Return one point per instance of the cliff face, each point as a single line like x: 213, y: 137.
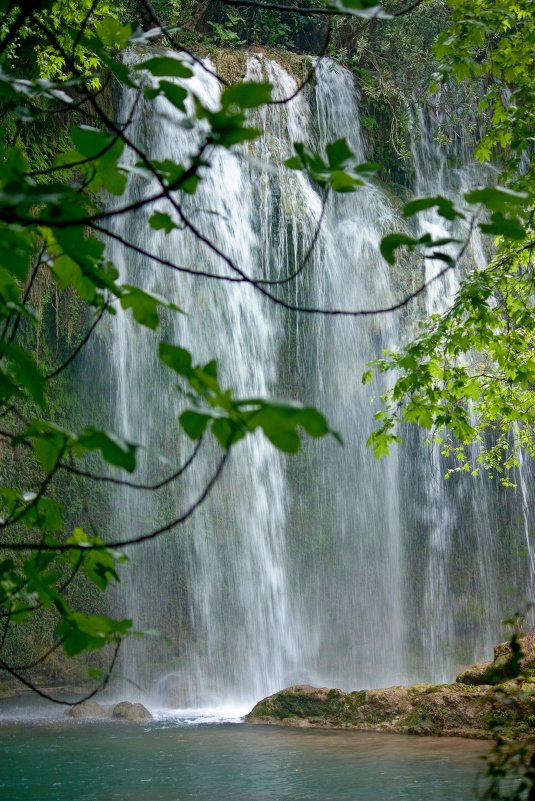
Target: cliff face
x: 482, y: 701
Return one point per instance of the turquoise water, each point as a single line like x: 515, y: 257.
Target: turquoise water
x: 170, y: 760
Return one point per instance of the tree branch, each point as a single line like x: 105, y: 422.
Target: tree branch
x: 32, y: 686
x: 310, y: 309
x: 25, y: 546
x: 79, y: 347
x: 125, y: 483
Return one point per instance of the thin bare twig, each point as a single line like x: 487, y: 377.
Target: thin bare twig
x: 43, y: 657
x: 311, y: 309
x: 79, y: 347
x: 374, y: 12
x: 308, y: 254
x: 132, y: 484
x: 311, y: 73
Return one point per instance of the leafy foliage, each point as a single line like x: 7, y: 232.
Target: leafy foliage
x: 495, y: 41
x: 340, y: 172
x: 58, y: 17
x: 470, y: 371
x: 468, y: 376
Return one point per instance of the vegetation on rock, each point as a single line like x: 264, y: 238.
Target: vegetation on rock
x: 471, y: 707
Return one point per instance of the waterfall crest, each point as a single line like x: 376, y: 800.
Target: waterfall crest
x: 329, y: 568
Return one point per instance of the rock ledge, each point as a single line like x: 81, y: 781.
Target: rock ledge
x: 471, y: 707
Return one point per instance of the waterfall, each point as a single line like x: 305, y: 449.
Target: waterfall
x: 330, y: 567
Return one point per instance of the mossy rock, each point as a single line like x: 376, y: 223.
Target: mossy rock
x: 502, y: 651
x: 503, y: 667
x: 298, y: 701
x: 455, y: 710
x: 486, y: 697
x: 388, y: 705
x: 229, y: 64
x: 480, y: 673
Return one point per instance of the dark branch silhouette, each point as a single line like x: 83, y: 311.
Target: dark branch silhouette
x: 132, y: 484
x: 35, y: 688
x: 79, y: 347
x: 311, y: 309
x: 25, y: 546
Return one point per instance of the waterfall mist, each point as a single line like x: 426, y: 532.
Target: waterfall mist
x: 329, y: 568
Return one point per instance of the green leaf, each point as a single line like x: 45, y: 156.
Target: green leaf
x: 380, y: 442
x: 45, y: 514
x: 509, y: 228
x: 294, y: 163
x: 194, y: 423
x: 89, y: 140
x: 341, y: 173
x: 165, y: 66
x: 99, y: 568
x: 177, y: 358
x: 339, y: 153
x: 498, y: 198
x: 81, y: 263
x: 49, y: 442
x: 92, y: 143
x: 282, y: 435
x: 112, y: 32
x: 15, y: 249
x: 367, y: 168
x: 445, y: 257
x: 95, y: 673
x: 24, y: 371
x: 279, y: 422
x: 88, y: 632
x: 249, y: 94
x: 159, y: 220
x: 444, y: 206
x: 234, y: 134
x: 175, y: 94
x: 312, y: 421
x: 98, y: 565
x: 113, y: 449
x: 391, y: 242
x: 144, y: 305
x: 227, y: 432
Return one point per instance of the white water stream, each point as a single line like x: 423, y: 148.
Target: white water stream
x: 329, y: 568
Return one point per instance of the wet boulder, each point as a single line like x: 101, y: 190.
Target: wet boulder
x: 125, y: 710
x: 87, y: 709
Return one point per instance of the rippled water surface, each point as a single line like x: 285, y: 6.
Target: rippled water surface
x: 181, y: 757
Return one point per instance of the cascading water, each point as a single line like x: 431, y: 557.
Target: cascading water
x: 331, y: 567
x: 235, y: 550
x: 463, y: 525
x: 433, y: 176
